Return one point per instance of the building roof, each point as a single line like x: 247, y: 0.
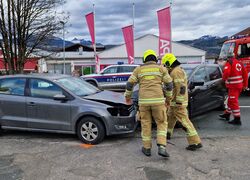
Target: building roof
x: 243, y: 32
x: 72, y: 54
x: 75, y: 47
x: 150, y: 42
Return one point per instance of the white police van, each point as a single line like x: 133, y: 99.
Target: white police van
x: 113, y: 77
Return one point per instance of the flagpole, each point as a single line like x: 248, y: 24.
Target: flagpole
x: 134, y: 29
x: 171, y: 2
x: 94, y: 44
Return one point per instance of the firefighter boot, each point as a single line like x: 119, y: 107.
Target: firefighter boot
x: 162, y: 151
x: 194, y: 147
x: 236, y: 121
x: 146, y: 152
x: 225, y: 116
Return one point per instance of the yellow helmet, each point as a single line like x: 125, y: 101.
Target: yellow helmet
x: 148, y: 53
x: 168, y: 59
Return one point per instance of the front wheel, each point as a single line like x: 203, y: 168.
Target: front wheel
x: 90, y: 130
x: 1, y: 130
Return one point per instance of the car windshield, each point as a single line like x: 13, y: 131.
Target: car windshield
x: 188, y: 71
x: 227, y: 50
x: 77, y: 86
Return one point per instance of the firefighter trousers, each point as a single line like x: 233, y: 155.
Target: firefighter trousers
x: 180, y: 113
x: 233, y: 101
x: 147, y: 114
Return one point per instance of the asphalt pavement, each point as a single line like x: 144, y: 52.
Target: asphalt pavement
x: 225, y: 155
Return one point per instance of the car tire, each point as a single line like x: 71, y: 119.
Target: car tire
x: 1, y: 131
x: 90, y: 130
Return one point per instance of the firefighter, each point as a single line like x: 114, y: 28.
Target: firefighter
x: 236, y: 80
x: 178, y: 106
x: 150, y: 77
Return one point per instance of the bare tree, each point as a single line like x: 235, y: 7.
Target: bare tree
x: 25, y: 25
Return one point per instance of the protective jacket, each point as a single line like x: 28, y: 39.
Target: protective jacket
x: 235, y: 74
x: 150, y: 77
x: 180, y: 91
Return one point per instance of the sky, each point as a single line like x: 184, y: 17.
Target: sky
x: 191, y: 19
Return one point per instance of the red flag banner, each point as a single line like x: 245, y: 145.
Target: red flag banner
x: 128, y: 35
x: 91, y: 25
x: 164, y: 21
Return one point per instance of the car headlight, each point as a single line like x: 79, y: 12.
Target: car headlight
x: 121, y: 110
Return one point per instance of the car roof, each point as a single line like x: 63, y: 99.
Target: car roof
x: 122, y: 65
x: 48, y: 76
x: 192, y: 66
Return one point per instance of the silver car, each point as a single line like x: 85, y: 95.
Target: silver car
x: 63, y: 104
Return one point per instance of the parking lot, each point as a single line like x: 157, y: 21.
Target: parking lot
x: 28, y: 155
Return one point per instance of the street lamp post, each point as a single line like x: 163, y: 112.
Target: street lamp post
x: 63, y: 23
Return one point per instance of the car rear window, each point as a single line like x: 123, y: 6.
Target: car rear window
x: 12, y: 86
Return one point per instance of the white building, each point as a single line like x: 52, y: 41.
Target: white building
x: 184, y: 53
x: 81, y: 60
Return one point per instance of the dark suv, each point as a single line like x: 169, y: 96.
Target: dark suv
x: 206, y: 89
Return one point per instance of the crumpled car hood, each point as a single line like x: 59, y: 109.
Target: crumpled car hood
x: 107, y: 97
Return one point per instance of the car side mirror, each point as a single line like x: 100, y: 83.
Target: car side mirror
x: 60, y: 97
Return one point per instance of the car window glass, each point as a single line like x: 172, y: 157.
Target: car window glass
x: 110, y: 70
x: 244, y: 50
x: 126, y: 69
x: 213, y: 73
x: 200, y: 75
x: 44, y: 89
x: 12, y: 86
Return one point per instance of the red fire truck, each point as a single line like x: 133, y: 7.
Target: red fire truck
x: 238, y: 47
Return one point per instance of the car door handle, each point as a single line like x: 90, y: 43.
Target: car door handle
x: 31, y: 104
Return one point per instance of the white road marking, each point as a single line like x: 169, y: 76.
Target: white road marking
x: 244, y: 106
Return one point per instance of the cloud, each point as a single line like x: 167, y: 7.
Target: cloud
x: 190, y: 19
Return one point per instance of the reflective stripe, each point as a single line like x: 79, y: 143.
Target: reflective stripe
x: 237, y: 110
x: 236, y: 114
x: 234, y: 82
x: 192, y: 133
x: 169, y: 93
x: 178, y: 80
x: 150, y: 74
x: 231, y: 97
x: 161, y: 133
x: 235, y: 77
x: 149, y: 77
x: 133, y: 78
x: 180, y: 98
x: 128, y: 93
x: 152, y: 100
x: 146, y: 138
x: 150, y: 70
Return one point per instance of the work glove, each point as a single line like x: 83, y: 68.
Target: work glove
x: 129, y: 101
